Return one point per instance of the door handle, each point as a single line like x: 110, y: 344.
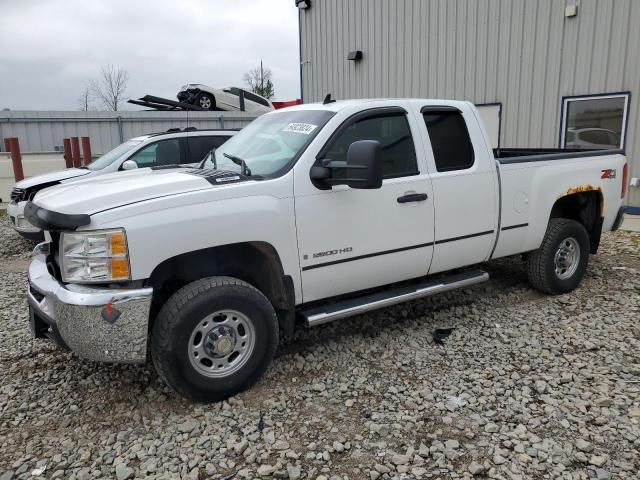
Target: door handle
x: 413, y: 197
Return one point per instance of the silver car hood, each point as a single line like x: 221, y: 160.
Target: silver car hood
x: 52, y: 177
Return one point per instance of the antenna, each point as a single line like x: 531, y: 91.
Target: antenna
x: 328, y: 99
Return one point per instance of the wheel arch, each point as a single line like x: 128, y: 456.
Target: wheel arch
x: 584, y: 204
x: 257, y: 263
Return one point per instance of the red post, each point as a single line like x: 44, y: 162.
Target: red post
x: 16, y: 159
x: 68, y: 159
x: 75, y: 151
x: 7, y: 144
x: 86, y: 151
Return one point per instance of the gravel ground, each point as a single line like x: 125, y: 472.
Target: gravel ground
x: 526, y: 386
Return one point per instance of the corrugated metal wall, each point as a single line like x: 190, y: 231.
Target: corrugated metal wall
x: 44, y: 131
x: 524, y: 54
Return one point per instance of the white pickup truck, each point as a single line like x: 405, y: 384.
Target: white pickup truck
x: 311, y: 214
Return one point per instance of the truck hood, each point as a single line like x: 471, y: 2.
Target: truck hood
x: 52, y: 177
x: 113, y: 190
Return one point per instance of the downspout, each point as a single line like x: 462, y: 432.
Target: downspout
x: 300, y: 53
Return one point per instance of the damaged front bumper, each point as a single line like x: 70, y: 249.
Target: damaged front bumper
x: 97, y: 323
x: 19, y: 221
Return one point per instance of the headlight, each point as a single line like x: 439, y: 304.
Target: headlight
x: 91, y: 257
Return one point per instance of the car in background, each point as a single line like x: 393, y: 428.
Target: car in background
x: 173, y: 147
x: 592, y: 138
x: 227, y: 98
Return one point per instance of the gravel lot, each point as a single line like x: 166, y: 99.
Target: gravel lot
x: 526, y: 386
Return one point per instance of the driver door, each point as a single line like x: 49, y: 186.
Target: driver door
x: 352, y: 239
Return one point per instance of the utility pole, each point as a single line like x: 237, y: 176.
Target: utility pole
x: 261, y: 79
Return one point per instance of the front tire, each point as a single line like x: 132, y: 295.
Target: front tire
x: 214, y: 338
x: 561, y: 261
x: 206, y: 101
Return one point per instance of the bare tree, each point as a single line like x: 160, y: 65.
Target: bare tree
x: 110, y: 88
x: 259, y: 81
x: 84, y: 100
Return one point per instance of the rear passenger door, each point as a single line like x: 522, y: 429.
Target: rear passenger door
x: 198, y: 146
x: 464, y: 187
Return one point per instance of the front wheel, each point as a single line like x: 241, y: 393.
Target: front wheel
x: 213, y: 338
x: 206, y: 101
x: 561, y: 261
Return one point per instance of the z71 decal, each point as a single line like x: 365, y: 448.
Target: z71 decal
x: 609, y: 173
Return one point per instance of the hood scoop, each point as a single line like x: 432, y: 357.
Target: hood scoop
x: 218, y: 177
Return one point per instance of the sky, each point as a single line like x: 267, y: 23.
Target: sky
x: 49, y: 49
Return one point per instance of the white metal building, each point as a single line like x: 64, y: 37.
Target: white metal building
x: 551, y: 73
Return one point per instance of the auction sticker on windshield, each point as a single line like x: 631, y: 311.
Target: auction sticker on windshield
x: 305, y: 128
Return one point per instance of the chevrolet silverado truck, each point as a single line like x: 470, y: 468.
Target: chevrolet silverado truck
x: 172, y: 147
x: 309, y: 214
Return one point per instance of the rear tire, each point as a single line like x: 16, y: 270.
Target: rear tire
x: 561, y: 261
x: 213, y: 338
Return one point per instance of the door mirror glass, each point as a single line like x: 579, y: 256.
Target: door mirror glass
x: 129, y: 165
x: 364, y: 164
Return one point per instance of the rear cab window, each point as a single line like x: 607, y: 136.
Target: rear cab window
x: 449, y: 137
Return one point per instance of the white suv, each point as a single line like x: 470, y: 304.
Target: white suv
x: 172, y: 147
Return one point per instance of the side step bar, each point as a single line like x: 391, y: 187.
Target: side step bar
x: 356, y: 306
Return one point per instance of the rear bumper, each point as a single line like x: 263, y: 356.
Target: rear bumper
x: 78, y: 316
x: 618, y: 220
x: 20, y: 223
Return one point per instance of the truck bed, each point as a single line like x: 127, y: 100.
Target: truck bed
x: 521, y: 155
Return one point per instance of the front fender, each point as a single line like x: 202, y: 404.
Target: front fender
x: 159, y: 230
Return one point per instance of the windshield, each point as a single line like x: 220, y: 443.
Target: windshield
x: 269, y: 143
x: 111, y: 156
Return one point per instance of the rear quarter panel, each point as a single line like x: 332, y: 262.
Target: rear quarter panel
x: 530, y: 189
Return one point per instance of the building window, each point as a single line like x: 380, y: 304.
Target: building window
x: 594, y: 121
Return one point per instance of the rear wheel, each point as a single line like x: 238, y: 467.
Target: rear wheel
x: 213, y: 338
x: 561, y: 261
x: 206, y: 101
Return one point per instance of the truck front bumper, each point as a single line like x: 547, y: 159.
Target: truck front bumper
x: 101, y: 324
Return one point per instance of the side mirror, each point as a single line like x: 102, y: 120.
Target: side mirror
x: 363, y: 167
x: 129, y: 165
x: 364, y: 164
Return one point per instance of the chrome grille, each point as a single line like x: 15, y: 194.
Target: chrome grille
x: 17, y: 195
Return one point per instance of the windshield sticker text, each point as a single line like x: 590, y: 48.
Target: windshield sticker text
x: 304, y: 128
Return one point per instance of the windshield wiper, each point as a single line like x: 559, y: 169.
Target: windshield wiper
x: 212, y: 154
x: 238, y: 161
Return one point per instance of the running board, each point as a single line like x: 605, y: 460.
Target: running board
x: 356, y: 306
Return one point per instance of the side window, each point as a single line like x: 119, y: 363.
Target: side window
x: 450, y: 140
x: 256, y: 98
x: 393, y: 133
x: 164, y: 152
x: 199, y: 146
